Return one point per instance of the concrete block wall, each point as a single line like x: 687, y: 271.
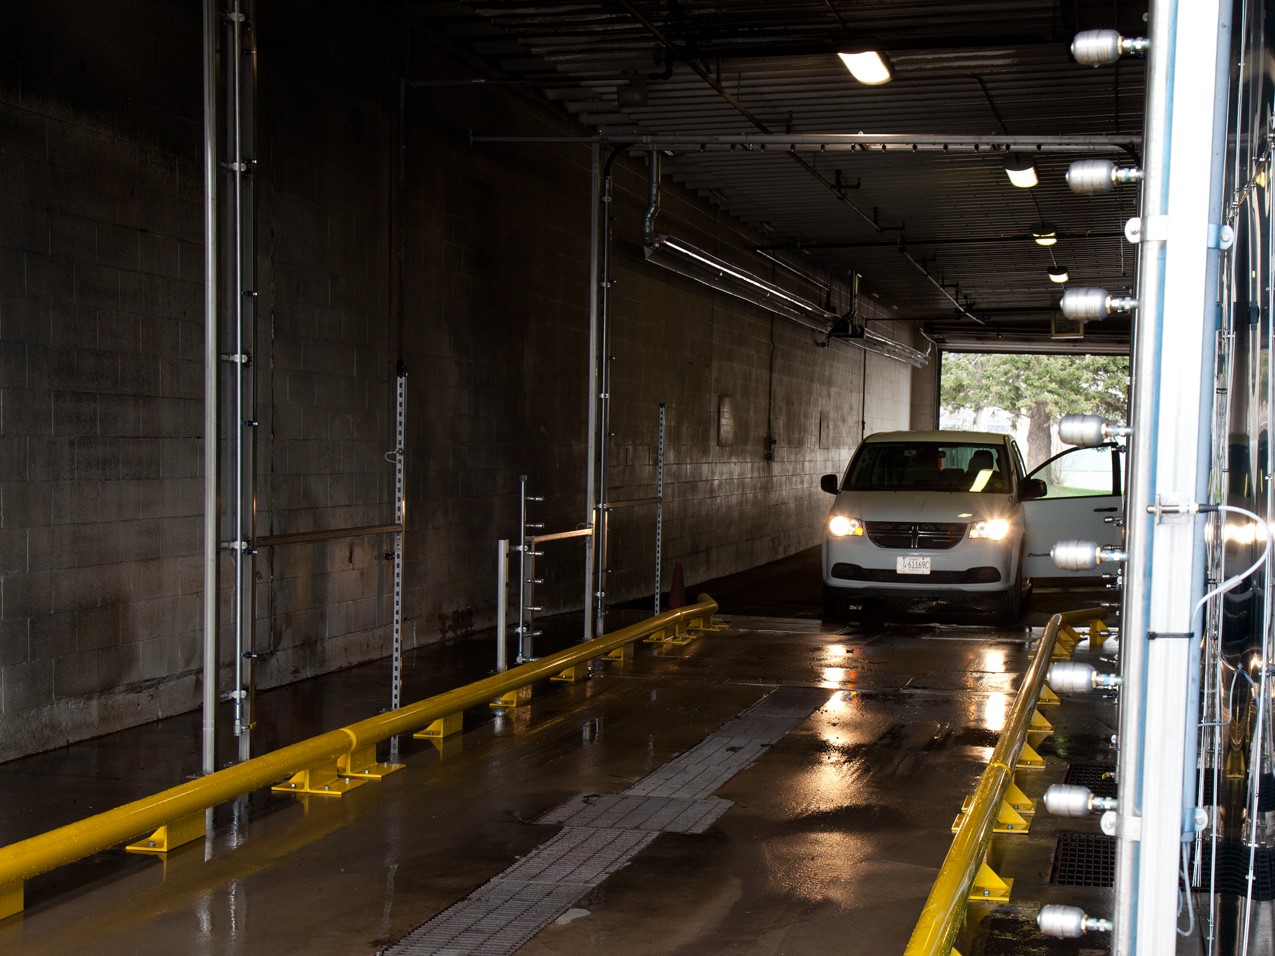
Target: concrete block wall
x: 101, y: 331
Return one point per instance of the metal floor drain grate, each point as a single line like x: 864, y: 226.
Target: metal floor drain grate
x: 1084, y: 859
x: 702, y: 769
x: 502, y: 914
x: 603, y: 832
x: 1099, y: 778
x: 583, y: 856
x: 497, y: 919
x: 630, y: 812
x: 799, y: 702
x: 764, y: 727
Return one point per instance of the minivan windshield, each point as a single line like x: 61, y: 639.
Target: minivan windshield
x: 929, y: 466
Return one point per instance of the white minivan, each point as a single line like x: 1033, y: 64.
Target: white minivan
x: 952, y: 514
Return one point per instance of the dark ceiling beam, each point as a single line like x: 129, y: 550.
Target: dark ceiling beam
x: 1063, y: 237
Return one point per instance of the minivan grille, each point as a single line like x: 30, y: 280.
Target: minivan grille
x: 909, y: 536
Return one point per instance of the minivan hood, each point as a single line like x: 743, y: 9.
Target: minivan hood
x: 923, y: 506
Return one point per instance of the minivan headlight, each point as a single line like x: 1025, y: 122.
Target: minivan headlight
x: 994, y: 529
x: 841, y: 526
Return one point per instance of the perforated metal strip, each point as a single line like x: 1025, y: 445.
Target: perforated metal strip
x: 602, y: 832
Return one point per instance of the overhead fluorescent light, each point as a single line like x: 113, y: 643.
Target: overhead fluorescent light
x: 868, y: 67
x: 1021, y: 172
x: 707, y: 269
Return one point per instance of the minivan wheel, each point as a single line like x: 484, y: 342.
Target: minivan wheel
x: 1011, y: 603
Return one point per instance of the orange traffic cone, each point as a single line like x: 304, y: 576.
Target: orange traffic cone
x: 677, y: 590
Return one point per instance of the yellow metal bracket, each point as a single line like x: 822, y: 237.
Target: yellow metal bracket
x: 622, y: 653
x: 664, y: 636
x: 1009, y: 818
x: 573, y: 673
x: 11, y: 899
x: 514, y: 698
x: 1048, y: 698
x: 362, y: 762
x: 988, y: 887
x: 170, y: 836
x: 1028, y: 759
x: 1038, y: 729
x: 1019, y: 800
x: 1098, y: 633
x: 1066, y: 642
x: 444, y: 726
x: 320, y: 781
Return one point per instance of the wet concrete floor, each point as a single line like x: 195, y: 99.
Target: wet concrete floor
x: 830, y: 842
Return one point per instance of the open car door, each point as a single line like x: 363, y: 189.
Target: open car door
x: 1084, y: 501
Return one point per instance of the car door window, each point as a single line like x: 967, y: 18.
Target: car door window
x: 1083, y: 473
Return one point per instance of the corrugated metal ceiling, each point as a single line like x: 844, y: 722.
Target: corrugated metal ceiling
x: 922, y: 226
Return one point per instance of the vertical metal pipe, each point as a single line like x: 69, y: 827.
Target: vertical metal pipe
x: 590, y: 495
x: 242, y: 94
x: 237, y: 538
x: 502, y: 604
x: 603, y: 353
x: 211, y: 373
x: 1139, y: 528
x: 1192, y: 773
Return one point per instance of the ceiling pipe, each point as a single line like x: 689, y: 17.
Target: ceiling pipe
x: 863, y: 142
x: 935, y: 241
x: 941, y: 287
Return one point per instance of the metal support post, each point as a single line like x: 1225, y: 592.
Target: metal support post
x: 604, y: 418
x: 590, y: 492
x: 502, y: 605
x: 211, y: 370
x: 522, y: 566
x: 400, y: 514
x: 1173, y: 365
x: 659, y: 509
x: 239, y: 77
x: 527, y: 579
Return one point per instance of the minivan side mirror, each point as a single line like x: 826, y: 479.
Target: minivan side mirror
x: 1032, y: 488
x: 829, y: 484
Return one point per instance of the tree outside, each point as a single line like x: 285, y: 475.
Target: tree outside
x: 1026, y: 395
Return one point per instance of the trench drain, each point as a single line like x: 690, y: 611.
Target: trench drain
x: 603, y: 832
x: 1084, y: 859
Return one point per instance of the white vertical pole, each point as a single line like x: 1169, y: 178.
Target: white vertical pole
x: 502, y: 604
x: 1172, y: 362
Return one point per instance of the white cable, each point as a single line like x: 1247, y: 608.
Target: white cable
x: 1232, y: 581
x: 1186, y: 892
x: 1227, y: 585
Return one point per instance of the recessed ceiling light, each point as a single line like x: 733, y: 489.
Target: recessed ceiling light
x: 1021, y: 172
x: 868, y: 67
x: 1044, y: 235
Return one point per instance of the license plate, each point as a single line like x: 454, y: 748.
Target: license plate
x: 912, y: 564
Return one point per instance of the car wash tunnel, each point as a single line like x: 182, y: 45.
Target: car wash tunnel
x: 636, y: 476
